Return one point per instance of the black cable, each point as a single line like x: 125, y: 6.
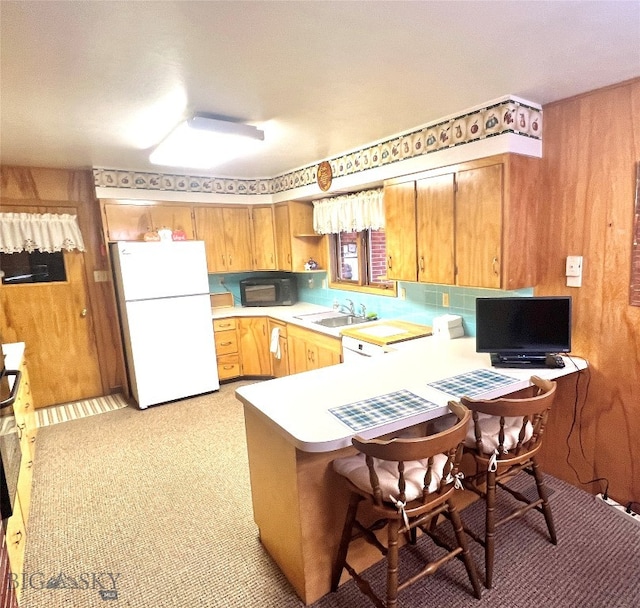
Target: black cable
x: 629, y: 509
x: 587, y: 372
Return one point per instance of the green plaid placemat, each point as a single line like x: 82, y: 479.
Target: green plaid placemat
x: 472, y: 383
x: 375, y: 411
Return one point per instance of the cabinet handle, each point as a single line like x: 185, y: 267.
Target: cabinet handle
x: 289, y: 258
x: 230, y: 261
x: 17, y: 537
x: 389, y: 263
x: 226, y: 343
x: 227, y: 367
x: 494, y: 265
x: 224, y: 262
x: 225, y: 324
x: 421, y: 263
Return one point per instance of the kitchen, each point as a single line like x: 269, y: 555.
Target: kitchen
x: 602, y: 237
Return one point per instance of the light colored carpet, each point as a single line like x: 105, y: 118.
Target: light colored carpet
x: 159, y: 500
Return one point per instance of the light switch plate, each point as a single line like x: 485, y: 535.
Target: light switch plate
x: 574, y: 271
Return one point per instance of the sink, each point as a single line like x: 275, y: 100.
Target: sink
x: 341, y: 321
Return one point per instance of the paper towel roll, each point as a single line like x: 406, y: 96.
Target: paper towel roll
x: 275, y: 343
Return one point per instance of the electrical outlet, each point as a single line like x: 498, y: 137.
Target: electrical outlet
x: 221, y: 280
x: 324, y: 283
x: 445, y: 299
x: 403, y: 293
x: 620, y: 509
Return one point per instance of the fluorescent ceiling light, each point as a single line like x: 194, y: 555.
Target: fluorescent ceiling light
x: 202, y: 142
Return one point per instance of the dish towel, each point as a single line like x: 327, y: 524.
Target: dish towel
x: 275, y: 342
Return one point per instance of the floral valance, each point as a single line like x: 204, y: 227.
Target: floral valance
x: 349, y: 212
x: 45, y: 232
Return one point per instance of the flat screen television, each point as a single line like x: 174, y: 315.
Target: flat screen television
x: 523, y: 331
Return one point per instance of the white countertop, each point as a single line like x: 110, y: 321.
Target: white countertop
x: 297, y: 406
x: 13, y: 354
x: 286, y: 314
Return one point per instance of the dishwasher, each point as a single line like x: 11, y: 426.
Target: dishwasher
x: 354, y: 349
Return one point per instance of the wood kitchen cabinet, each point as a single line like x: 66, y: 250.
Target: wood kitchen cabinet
x: 16, y: 528
x: 254, y: 346
x: 296, y: 241
x: 226, y: 232
x: 227, y: 348
x: 310, y: 350
x: 473, y: 224
x: 279, y: 366
x: 264, y: 246
x: 129, y: 222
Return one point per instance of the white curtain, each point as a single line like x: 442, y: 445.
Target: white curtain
x: 349, y: 212
x: 46, y: 232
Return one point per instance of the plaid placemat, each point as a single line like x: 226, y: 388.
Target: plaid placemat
x: 472, y: 383
x: 375, y: 411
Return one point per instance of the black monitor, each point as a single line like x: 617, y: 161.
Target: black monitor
x: 522, y: 331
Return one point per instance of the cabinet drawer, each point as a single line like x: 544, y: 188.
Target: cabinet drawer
x: 228, y: 366
x: 226, y: 342
x: 223, y: 324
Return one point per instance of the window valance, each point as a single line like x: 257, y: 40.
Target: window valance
x: 349, y: 212
x: 45, y: 232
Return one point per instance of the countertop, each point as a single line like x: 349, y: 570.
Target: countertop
x: 297, y: 406
x: 292, y: 314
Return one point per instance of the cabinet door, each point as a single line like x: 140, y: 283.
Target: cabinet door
x: 254, y: 346
x: 479, y: 227
x: 210, y: 229
x: 435, y: 229
x: 264, y: 248
x: 127, y: 222
x: 176, y: 217
x: 279, y: 367
x: 283, y: 236
x: 400, y: 230
x: 237, y: 238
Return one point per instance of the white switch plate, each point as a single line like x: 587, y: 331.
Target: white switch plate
x: 574, y: 271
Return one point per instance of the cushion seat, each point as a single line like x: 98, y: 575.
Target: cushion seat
x: 355, y: 469
x: 489, y: 427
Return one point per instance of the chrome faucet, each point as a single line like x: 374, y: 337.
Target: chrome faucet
x: 349, y: 308
x: 363, y: 311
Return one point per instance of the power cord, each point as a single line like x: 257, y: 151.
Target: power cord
x: 586, y: 372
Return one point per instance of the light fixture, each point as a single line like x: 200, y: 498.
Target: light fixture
x: 202, y: 142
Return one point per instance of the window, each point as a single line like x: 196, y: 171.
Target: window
x: 34, y: 267
x: 358, y: 261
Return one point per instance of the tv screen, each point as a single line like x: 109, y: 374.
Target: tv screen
x: 524, y: 326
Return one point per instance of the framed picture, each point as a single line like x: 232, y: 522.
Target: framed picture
x: 351, y: 247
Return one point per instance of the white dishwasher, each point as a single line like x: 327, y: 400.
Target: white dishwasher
x: 354, y: 349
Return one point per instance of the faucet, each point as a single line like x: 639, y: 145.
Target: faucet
x: 363, y: 311
x: 350, y: 308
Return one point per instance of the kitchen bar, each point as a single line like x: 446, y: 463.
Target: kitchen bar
x: 292, y: 438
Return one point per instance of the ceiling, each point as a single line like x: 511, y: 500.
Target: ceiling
x: 97, y: 84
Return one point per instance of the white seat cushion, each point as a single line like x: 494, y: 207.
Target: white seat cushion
x: 490, y: 428
x: 355, y: 469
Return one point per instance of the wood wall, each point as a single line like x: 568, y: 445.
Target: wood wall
x: 30, y: 187
x: 591, y: 145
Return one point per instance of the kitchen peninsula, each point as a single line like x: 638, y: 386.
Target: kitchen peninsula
x: 292, y: 438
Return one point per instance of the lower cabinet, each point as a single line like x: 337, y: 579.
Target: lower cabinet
x: 16, y: 527
x: 311, y: 350
x: 227, y: 349
x: 254, y: 346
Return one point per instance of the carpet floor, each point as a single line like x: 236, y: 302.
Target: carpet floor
x: 152, y: 509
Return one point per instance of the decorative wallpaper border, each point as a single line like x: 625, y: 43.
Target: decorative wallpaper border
x: 506, y: 116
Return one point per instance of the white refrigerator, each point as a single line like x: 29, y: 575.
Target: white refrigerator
x: 162, y: 290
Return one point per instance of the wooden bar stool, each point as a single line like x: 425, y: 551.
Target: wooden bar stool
x: 406, y: 484
x: 504, y: 439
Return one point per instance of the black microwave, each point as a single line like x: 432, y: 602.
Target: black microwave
x: 266, y: 291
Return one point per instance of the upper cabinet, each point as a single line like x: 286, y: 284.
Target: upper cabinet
x: 471, y: 225
x: 226, y: 232
x: 296, y: 241
x: 264, y: 246
x: 129, y: 222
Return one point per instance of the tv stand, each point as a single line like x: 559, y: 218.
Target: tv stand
x: 526, y: 360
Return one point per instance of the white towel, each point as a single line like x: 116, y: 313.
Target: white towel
x: 275, y: 343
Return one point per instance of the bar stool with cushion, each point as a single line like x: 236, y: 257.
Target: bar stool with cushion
x: 405, y: 483
x: 504, y: 439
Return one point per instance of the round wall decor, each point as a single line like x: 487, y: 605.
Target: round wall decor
x: 324, y: 176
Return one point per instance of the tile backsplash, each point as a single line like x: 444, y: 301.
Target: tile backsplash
x: 420, y: 304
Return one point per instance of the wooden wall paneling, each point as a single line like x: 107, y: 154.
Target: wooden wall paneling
x: 56, y: 190
x: 591, y: 145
